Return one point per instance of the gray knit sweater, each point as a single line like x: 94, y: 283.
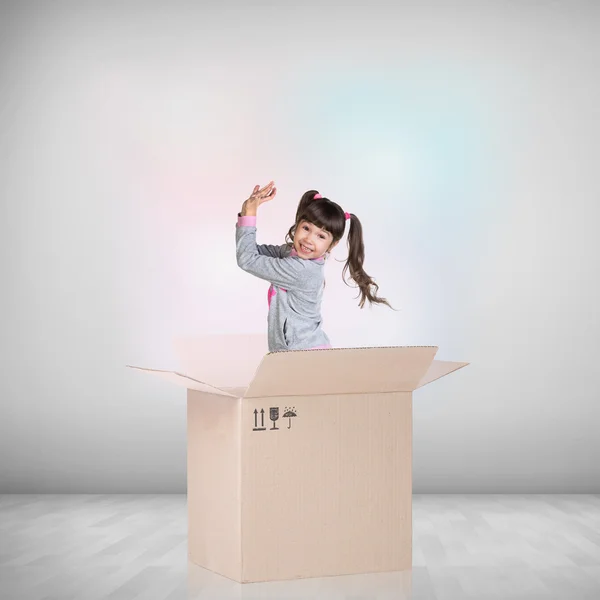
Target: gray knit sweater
x: 294, y: 320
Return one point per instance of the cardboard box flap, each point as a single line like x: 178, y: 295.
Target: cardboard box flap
x: 440, y: 368
x: 184, y: 381
x: 341, y: 371
x: 227, y: 361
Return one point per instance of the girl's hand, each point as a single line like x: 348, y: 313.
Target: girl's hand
x: 257, y: 197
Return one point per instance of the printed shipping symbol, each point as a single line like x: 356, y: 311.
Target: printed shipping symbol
x: 289, y: 413
x: 274, y: 416
x: 262, y: 420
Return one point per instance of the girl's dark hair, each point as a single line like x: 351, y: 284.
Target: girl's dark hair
x: 328, y: 215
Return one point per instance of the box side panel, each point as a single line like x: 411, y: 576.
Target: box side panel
x: 328, y: 491
x: 213, y: 482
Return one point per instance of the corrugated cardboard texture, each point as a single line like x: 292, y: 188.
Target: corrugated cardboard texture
x: 213, y: 475
x: 221, y: 360
x: 341, y: 371
x: 330, y: 491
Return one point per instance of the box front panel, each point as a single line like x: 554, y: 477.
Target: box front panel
x: 326, y: 485
x: 213, y: 483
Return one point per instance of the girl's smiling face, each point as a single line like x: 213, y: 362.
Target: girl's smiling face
x: 311, y: 241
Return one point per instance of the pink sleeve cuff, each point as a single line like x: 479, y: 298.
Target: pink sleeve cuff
x: 246, y: 222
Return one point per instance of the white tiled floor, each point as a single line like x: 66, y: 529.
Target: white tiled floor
x: 123, y: 547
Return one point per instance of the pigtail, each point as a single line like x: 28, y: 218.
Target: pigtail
x: 354, y: 263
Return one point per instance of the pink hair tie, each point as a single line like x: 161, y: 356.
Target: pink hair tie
x: 347, y: 215
x: 317, y: 196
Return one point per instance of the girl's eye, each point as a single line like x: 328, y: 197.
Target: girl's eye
x: 305, y: 228
x: 322, y: 236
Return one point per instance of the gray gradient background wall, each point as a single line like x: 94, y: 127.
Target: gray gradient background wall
x: 464, y: 134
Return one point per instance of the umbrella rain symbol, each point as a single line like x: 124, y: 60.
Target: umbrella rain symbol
x: 289, y: 413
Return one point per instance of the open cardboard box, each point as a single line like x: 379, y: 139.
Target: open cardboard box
x: 299, y: 464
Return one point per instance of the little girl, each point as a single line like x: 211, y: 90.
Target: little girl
x: 296, y: 269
